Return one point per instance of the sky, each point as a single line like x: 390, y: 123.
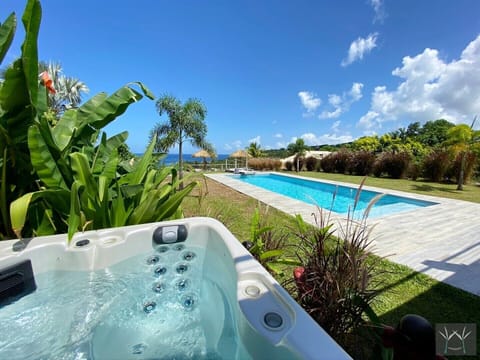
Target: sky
x: 271, y: 71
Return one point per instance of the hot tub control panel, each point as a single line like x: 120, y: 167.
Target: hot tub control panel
x: 169, y: 234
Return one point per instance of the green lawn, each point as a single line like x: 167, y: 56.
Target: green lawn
x: 404, y: 291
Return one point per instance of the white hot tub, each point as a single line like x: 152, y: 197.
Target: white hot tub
x: 184, y: 289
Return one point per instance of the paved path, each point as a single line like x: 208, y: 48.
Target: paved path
x: 442, y: 240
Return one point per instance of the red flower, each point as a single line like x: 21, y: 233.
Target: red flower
x: 47, y: 82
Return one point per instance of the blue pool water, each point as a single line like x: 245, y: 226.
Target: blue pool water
x: 339, y: 199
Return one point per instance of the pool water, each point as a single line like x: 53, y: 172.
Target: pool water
x: 339, y: 199
x: 161, y: 305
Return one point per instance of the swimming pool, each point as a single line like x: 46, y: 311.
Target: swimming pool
x: 184, y: 289
x: 339, y: 199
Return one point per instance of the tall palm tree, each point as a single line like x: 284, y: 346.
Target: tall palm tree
x: 255, y: 150
x: 69, y: 90
x: 186, y: 123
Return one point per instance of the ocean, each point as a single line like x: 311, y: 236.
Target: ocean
x: 172, y: 159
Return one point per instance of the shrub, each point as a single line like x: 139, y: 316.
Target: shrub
x: 342, y: 159
x: 435, y: 165
x: 336, y: 162
x: 289, y: 165
x: 327, y: 164
x: 414, y: 171
x: 361, y: 163
x: 395, y: 165
x: 265, y: 164
x: 267, y: 244
x: 311, y: 163
x: 453, y: 171
x: 335, y: 283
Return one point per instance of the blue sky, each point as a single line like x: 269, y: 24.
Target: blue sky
x: 271, y: 71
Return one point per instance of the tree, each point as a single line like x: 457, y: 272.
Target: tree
x: 255, y: 150
x: 186, y: 123
x: 298, y: 148
x: 367, y: 143
x: 462, y: 137
x: 434, y: 133
x: 68, y: 90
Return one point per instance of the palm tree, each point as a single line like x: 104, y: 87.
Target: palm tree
x: 255, y: 150
x: 462, y: 137
x: 298, y: 148
x: 186, y: 123
x: 69, y: 90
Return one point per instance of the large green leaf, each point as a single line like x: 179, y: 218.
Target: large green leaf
x: 95, y: 114
x: 14, y: 95
x: 31, y: 19
x: 19, y: 207
x: 43, y: 161
x: 83, y: 175
x: 74, y: 219
x: 7, y: 30
x: 169, y: 207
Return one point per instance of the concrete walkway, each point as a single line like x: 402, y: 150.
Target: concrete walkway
x: 442, y: 240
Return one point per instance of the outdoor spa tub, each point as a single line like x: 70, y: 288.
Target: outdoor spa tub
x: 184, y: 289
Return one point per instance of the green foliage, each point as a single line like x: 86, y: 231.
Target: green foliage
x: 336, y: 283
x: 367, y: 143
x: 255, y: 150
x: 66, y: 175
x: 268, y: 245
x: 186, y: 123
x: 298, y: 147
x: 434, y: 133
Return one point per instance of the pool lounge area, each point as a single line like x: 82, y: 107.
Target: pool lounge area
x: 442, y: 241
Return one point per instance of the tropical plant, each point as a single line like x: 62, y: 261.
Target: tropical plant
x: 298, y: 148
x: 186, y: 123
x: 267, y: 244
x: 68, y: 175
x: 255, y: 150
x: 336, y: 283
x: 460, y: 138
x: 68, y: 90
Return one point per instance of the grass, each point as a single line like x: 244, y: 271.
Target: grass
x: 404, y: 291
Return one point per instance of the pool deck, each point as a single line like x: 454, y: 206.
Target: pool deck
x: 442, y: 240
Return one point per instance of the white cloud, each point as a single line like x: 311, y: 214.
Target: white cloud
x: 341, y: 104
x: 379, y: 9
x: 237, y: 144
x: 336, y: 125
x: 309, y: 101
x: 431, y: 89
x: 359, y: 48
x: 330, y: 139
x: 278, y: 136
x: 256, y: 139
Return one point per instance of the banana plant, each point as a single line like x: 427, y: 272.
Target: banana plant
x: 68, y: 176
x: 18, y: 109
